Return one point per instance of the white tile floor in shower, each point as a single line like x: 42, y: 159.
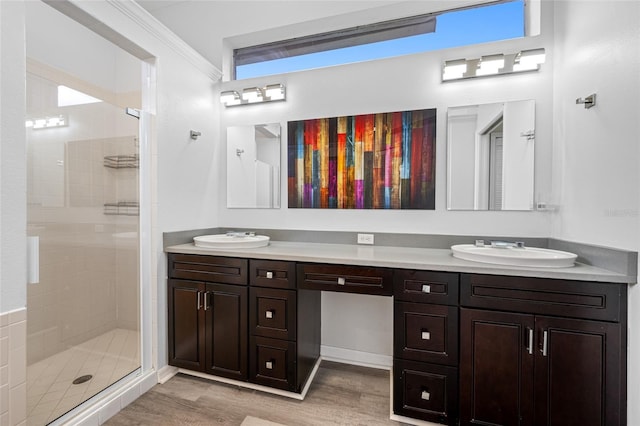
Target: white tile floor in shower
x: 50, y: 389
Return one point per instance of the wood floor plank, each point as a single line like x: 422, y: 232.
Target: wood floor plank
x: 341, y: 394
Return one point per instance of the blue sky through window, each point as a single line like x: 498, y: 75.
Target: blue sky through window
x: 459, y: 28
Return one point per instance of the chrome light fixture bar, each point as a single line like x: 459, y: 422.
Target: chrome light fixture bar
x: 499, y: 64
x: 48, y: 122
x: 253, y: 95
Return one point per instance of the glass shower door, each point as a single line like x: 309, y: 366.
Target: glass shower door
x: 83, y: 307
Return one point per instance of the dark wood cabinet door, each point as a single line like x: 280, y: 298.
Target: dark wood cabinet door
x: 186, y: 324
x: 425, y: 391
x: 226, y: 330
x: 496, y: 368
x: 272, y: 313
x: 426, y: 333
x: 579, y: 369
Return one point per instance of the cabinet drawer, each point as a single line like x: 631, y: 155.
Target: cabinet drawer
x: 589, y: 300
x: 349, y: 279
x: 272, y: 313
x: 216, y: 269
x: 426, y: 287
x: 273, y: 363
x: 271, y: 273
x: 426, y: 333
x: 425, y: 391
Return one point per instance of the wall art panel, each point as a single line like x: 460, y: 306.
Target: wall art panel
x: 372, y: 161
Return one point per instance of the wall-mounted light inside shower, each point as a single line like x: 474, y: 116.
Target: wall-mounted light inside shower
x: 498, y: 64
x: 253, y: 95
x: 48, y: 122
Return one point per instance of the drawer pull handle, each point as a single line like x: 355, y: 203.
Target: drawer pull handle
x: 206, y: 305
x: 269, y: 314
x: 199, y: 303
x: 269, y: 275
x: 341, y: 281
x: 545, y: 343
x: 426, y: 288
x: 269, y: 365
x: 425, y: 395
x: 426, y: 335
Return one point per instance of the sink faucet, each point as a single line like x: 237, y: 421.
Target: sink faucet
x: 506, y: 244
x: 240, y: 234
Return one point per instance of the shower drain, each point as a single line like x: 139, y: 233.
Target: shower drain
x: 82, y: 379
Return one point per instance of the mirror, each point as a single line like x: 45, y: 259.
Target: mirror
x: 253, y: 166
x: 490, y: 152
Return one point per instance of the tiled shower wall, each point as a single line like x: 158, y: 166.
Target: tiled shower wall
x: 13, y: 369
x: 88, y: 260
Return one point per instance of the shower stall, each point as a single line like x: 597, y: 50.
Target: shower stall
x: 83, y: 156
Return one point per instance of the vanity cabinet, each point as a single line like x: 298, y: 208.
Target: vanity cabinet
x: 284, y: 326
x: 208, y: 319
x: 425, y: 365
x: 542, y: 352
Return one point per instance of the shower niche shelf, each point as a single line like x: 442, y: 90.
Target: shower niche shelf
x: 122, y: 208
x: 122, y: 161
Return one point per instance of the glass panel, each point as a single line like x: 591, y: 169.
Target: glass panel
x: 481, y: 24
x: 83, y: 315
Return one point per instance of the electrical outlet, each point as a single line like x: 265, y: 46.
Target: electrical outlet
x: 365, y: 238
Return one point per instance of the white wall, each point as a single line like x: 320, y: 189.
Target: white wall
x: 13, y: 203
x: 596, y: 150
x: 398, y: 84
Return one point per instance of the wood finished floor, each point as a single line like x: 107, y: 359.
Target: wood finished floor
x: 339, y: 395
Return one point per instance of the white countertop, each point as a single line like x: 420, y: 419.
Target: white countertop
x: 400, y: 257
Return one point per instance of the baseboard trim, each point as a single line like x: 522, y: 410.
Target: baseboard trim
x: 166, y: 373
x: 353, y: 357
x: 266, y: 389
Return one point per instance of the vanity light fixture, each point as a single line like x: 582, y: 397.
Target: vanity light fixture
x: 498, y: 64
x: 454, y: 69
x: 230, y: 98
x: 48, y: 122
x: 254, y: 95
x: 529, y: 60
x: 275, y: 92
x: 491, y: 64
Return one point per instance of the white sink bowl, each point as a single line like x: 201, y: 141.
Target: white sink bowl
x: 513, y: 256
x: 224, y: 241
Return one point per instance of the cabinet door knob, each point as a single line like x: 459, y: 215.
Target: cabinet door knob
x: 269, y: 275
x: 341, y: 281
x: 269, y: 314
x: 426, y: 335
x: 426, y: 288
x: 269, y: 365
x: 425, y: 395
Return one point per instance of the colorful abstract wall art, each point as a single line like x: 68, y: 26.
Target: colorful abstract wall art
x: 373, y: 161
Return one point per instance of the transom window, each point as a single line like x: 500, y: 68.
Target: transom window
x: 480, y: 24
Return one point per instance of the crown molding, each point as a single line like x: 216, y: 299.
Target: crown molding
x: 143, y: 19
